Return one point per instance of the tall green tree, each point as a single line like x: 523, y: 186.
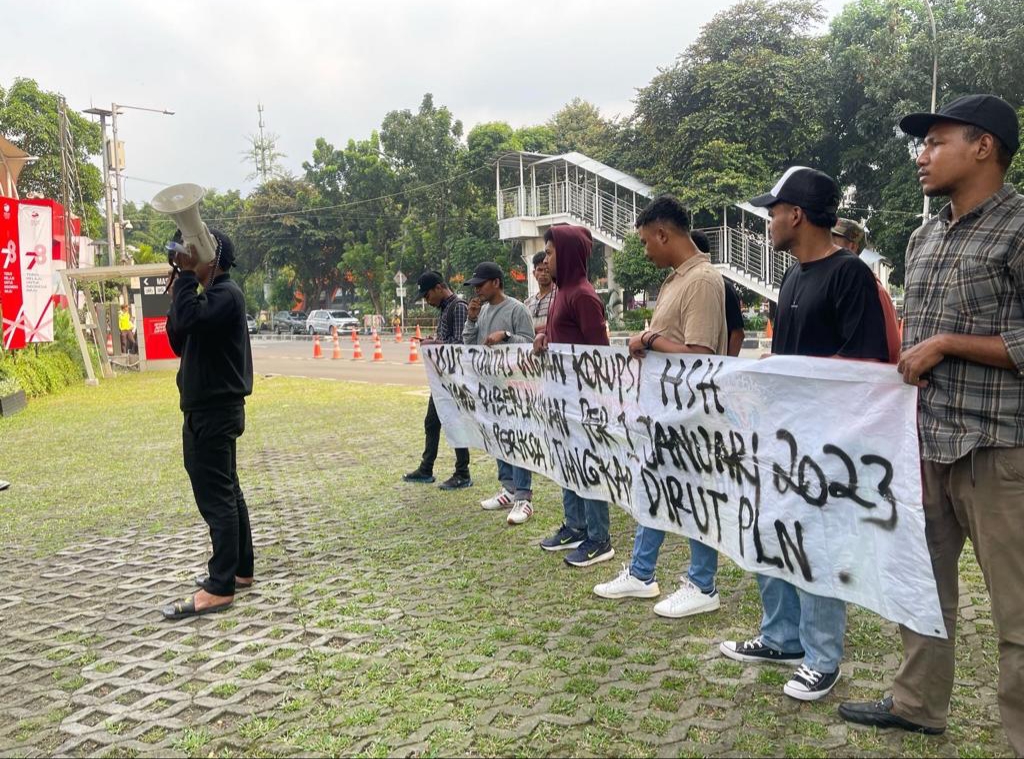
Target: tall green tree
x: 740, y: 104
x: 28, y: 118
x: 879, y: 55
x: 285, y: 226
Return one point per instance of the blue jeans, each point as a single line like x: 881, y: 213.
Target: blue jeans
x: 703, y: 560
x: 795, y: 620
x: 516, y: 480
x: 586, y: 515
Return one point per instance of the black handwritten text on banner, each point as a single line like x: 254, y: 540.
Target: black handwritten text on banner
x: 804, y: 469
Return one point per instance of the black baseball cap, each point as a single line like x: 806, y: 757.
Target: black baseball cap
x: 991, y: 113
x: 485, y: 272
x: 428, y: 281
x: 810, y: 189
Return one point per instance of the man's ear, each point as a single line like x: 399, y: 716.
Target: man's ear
x: 984, y: 147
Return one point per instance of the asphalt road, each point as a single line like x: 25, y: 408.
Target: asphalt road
x: 293, y: 357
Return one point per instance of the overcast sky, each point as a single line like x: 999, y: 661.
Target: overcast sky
x: 332, y: 69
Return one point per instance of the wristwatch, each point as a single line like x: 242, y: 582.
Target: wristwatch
x: 508, y: 336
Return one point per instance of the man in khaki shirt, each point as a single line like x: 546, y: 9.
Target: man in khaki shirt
x: 689, y: 317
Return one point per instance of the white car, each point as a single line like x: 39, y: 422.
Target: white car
x: 320, y: 322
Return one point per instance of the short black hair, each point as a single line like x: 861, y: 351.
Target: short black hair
x: 665, y: 208
x: 538, y: 258
x: 700, y: 240
x: 974, y: 133
x: 824, y: 219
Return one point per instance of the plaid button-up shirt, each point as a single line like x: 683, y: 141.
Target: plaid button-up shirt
x: 454, y: 311
x: 967, y: 278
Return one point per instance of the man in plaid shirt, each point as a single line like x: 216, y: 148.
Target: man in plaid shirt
x: 963, y: 346
x: 450, y: 324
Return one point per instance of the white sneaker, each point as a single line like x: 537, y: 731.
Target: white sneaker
x: 521, y: 511
x: 688, y: 600
x: 627, y: 586
x: 502, y: 500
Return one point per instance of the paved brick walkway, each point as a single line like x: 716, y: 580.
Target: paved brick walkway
x: 391, y: 620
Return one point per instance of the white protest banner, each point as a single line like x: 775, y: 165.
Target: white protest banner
x: 799, y: 468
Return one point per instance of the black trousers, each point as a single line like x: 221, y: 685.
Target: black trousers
x: 208, y: 444
x: 432, y: 430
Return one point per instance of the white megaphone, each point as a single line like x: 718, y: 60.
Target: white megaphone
x: 181, y: 203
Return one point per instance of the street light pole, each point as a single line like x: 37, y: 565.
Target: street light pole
x: 935, y: 86
x: 102, y: 113
x: 118, y: 179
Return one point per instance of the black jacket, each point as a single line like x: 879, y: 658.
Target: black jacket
x: 210, y: 334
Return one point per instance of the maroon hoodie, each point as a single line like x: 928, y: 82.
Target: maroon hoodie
x: 577, y: 313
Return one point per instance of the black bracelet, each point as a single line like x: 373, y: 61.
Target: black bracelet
x: 650, y: 341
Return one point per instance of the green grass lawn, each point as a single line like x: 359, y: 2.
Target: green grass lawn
x: 397, y: 619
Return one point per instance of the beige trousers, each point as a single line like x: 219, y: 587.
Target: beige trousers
x: 980, y: 497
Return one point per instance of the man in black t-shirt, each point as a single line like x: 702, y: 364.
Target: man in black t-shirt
x: 733, y: 309
x: 828, y: 306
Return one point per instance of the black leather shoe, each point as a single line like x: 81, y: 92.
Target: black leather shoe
x: 456, y: 482
x: 418, y: 476
x: 879, y: 714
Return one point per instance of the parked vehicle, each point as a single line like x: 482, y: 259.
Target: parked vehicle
x: 321, y: 321
x: 253, y: 325
x: 291, y: 322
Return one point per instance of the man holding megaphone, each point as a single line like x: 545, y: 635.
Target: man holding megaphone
x: 208, y: 331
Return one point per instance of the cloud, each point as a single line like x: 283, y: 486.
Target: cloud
x: 334, y: 69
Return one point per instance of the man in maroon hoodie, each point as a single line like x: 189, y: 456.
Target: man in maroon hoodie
x: 577, y: 317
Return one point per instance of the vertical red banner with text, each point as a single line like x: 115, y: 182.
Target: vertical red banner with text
x: 11, y: 301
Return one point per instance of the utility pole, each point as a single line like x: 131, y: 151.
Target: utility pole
x: 112, y: 163
x: 103, y: 113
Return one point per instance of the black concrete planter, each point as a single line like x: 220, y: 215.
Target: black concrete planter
x: 12, y: 404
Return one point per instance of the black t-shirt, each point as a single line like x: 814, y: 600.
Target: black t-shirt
x: 830, y: 307
x: 733, y: 314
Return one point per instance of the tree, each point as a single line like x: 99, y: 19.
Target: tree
x: 633, y: 271
x: 283, y: 226
x: 28, y: 118
x: 880, y: 56
x: 579, y: 126
x: 426, y: 148
x: 743, y: 100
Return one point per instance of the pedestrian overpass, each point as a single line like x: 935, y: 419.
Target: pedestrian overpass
x: 535, y: 191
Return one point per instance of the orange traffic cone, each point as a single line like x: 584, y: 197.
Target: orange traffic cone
x: 378, y: 352
x: 318, y: 352
x: 414, y: 354
x: 337, y: 348
x: 398, y: 333
x: 357, y: 352
x: 419, y: 337
x: 110, y: 345
x: 768, y: 331
x: 355, y: 335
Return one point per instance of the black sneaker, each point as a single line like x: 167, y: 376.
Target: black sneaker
x: 590, y: 552
x: 879, y: 714
x: 418, y: 475
x: 756, y: 651
x: 563, y: 540
x: 809, y: 684
x: 455, y: 482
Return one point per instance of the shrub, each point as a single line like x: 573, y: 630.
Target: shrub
x: 634, y: 320
x: 755, y: 323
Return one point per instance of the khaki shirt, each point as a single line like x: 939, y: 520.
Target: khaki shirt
x: 691, y: 306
